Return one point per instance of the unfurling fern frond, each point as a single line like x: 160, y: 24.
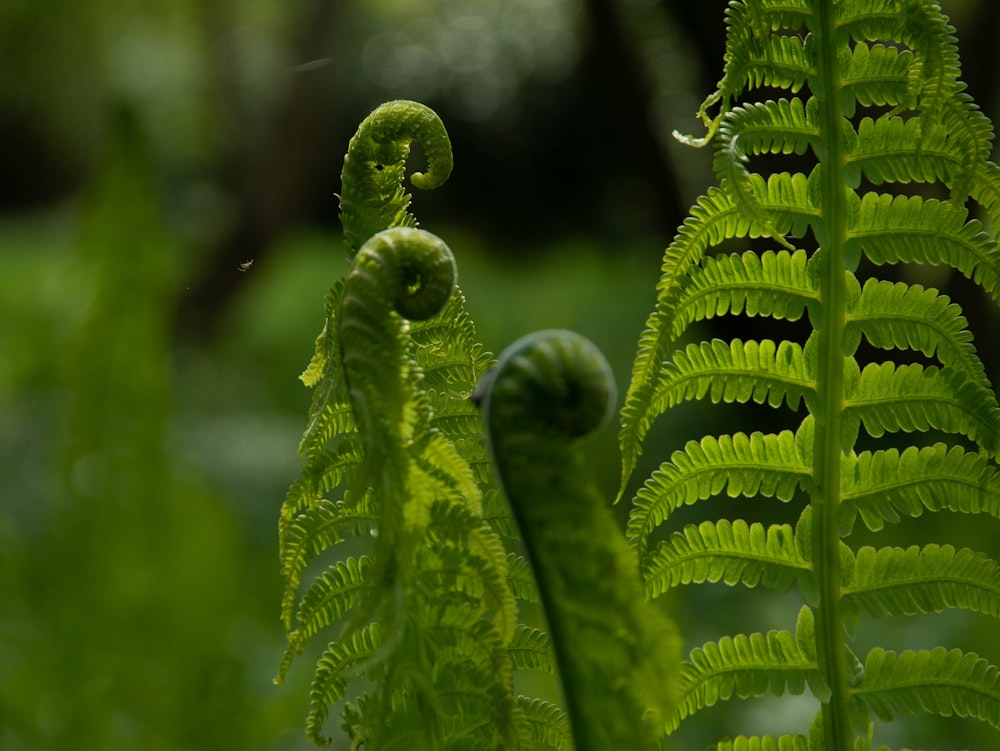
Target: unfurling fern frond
x: 616, y: 655
x: 373, y: 197
x: 395, y: 463
x: 870, y: 99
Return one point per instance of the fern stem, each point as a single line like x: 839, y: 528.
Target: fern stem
x: 830, y: 382
x: 616, y: 656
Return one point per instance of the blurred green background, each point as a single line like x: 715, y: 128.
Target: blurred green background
x: 149, y: 404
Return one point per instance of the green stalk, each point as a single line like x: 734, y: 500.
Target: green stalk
x: 830, y: 386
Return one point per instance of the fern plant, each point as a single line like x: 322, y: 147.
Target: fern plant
x: 872, y: 104
x: 427, y: 616
x: 421, y: 598
x: 616, y: 655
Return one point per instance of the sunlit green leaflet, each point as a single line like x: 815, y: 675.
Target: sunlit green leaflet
x: 617, y: 656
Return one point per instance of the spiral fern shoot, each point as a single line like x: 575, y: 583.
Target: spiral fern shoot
x: 421, y: 618
x: 374, y: 168
x: 887, y: 163
x: 617, y: 656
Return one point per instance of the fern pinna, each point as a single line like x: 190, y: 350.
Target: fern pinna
x: 421, y: 602
x: 872, y: 102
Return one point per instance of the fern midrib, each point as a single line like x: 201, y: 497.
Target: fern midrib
x: 830, y: 386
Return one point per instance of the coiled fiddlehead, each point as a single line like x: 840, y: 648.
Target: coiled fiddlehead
x: 375, y: 165
x: 400, y: 273
x: 617, y: 657
x: 427, y: 639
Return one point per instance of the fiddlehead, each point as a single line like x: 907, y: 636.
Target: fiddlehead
x: 373, y: 196
x: 400, y: 273
x: 617, y: 657
x: 395, y: 463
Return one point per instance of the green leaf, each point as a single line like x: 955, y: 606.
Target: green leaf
x: 735, y: 371
x: 530, y: 650
x: 764, y: 464
x: 373, y: 197
x: 334, y: 671
x: 890, y: 398
x: 891, y: 149
x: 318, y: 528
x: 877, y: 75
x: 895, y: 229
x: 884, y: 485
x: 713, y: 219
x: 777, y: 61
x: 328, y: 598
x: 767, y: 284
x: 520, y: 579
x: 905, y: 316
x: 897, y: 581
x: 763, y: 743
x: 940, y: 681
x: 731, y: 552
x: 744, y: 666
x: 546, y: 723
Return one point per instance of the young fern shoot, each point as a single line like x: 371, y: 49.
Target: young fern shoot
x: 870, y: 93
x: 617, y: 656
x: 426, y: 615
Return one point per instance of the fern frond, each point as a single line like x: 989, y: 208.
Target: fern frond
x: 520, y: 578
x: 731, y: 552
x: 889, y: 398
x: 910, y: 317
x: 986, y: 190
x: 446, y: 349
x: 877, y: 75
x: 883, y: 485
x: 903, y: 151
x: 764, y: 743
x: 326, y: 468
x: 898, y: 581
x: 734, y: 371
x: 791, y: 200
x: 894, y: 229
x: 775, y: 127
x: 373, y: 196
x: 712, y: 219
x: 774, y: 284
x: 870, y: 19
x: 530, y: 649
x: 772, y: 60
x: 743, y: 666
x: 900, y: 55
x: 315, y: 530
x: 964, y: 122
x: 328, y: 598
x: 935, y: 72
x: 481, y: 553
x: 546, y: 722
x: 333, y: 672
x: 940, y: 681
x: 765, y: 464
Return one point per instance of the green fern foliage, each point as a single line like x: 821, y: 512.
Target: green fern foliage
x: 616, y: 655
x: 392, y: 538
x: 888, y: 164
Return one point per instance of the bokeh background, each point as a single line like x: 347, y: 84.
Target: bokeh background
x: 149, y: 404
